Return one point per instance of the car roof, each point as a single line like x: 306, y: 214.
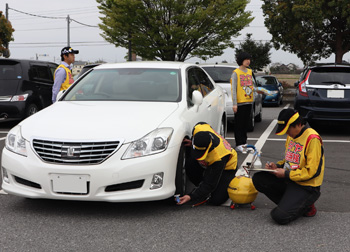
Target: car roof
x: 146, y: 64
x: 25, y: 60
x: 320, y: 65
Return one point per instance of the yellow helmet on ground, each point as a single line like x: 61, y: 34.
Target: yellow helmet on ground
x: 241, y: 190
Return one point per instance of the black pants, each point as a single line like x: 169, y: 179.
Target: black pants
x: 291, y: 198
x: 195, y: 173
x: 242, y: 118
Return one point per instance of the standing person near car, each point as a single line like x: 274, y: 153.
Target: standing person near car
x: 242, y: 90
x: 211, y: 166
x: 63, y: 76
x: 294, y: 182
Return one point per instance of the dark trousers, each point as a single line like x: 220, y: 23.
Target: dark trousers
x: 195, y: 173
x: 291, y: 198
x: 242, y: 118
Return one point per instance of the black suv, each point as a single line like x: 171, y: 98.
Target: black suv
x: 25, y: 87
x: 323, y: 93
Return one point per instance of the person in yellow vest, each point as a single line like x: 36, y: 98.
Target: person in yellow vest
x: 211, y: 166
x: 63, y: 76
x: 294, y: 183
x: 242, y: 91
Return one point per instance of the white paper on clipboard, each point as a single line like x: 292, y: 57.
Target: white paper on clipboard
x: 261, y: 169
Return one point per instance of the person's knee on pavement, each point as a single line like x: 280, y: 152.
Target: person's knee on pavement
x: 280, y: 216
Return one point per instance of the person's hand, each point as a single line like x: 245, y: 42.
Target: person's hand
x: 187, y: 142
x: 279, y: 172
x: 234, y: 108
x: 184, y: 199
x: 270, y: 165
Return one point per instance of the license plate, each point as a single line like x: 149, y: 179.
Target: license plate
x: 335, y: 94
x: 63, y: 183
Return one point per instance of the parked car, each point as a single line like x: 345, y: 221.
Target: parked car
x: 221, y: 74
x: 274, y: 95
x: 115, y: 135
x: 323, y: 93
x: 25, y: 87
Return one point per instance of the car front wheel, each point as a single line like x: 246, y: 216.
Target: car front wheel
x: 180, y: 179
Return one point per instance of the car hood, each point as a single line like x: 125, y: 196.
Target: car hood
x: 270, y: 87
x: 96, y: 121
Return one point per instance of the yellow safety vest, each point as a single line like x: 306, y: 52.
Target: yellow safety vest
x: 69, y: 78
x: 245, y: 86
x: 304, y: 158
x: 221, y: 150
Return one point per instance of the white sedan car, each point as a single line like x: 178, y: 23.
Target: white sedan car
x: 115, y: 135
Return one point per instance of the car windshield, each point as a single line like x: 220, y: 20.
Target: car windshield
x: 266, y: 80
x: 220, y: 74
x: 330, y: 75
x: 127, y: 84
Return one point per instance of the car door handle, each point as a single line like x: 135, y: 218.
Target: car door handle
x: 209, y: 106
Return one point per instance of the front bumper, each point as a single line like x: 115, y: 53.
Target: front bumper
x: 113, y: 180
x: 271, y: 99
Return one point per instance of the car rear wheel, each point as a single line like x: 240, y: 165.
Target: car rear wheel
x: 223, y: 127
x: 31, y: 109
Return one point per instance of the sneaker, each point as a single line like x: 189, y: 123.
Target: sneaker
x: 311, y: 211
x: 241, y: 148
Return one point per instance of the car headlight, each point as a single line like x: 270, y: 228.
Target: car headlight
x: 15, y: 142
x: 155, y: 142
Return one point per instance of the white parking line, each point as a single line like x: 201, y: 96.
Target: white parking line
x: 2, y: 138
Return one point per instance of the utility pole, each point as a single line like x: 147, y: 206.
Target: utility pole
x: 7, y: 18
x: 68, y: 35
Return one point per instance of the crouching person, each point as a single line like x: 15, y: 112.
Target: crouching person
x: 294, y: 183
x: 211, y: 166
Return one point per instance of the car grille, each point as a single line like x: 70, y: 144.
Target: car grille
x: 74, y: 152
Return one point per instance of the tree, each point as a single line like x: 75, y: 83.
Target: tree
x: 310, y: 29
x: 260, y: 52
x: 173, y: 30
x: 6, y: 31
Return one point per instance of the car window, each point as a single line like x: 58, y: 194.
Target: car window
x: 40, y: 73
x: 203, y: 82
x: 266, y: 80
x: 220, y: 74
x: 330, y: 75
x: 128, y: 85
x: 53, y: 69
x: 10, y: 70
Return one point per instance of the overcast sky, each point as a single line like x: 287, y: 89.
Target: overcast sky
x: 40, y: 37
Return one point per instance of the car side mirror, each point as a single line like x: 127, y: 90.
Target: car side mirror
x: 197, y: 98
x: 296, y: 84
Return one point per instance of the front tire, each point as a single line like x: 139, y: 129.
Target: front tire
x: 180, y: 178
